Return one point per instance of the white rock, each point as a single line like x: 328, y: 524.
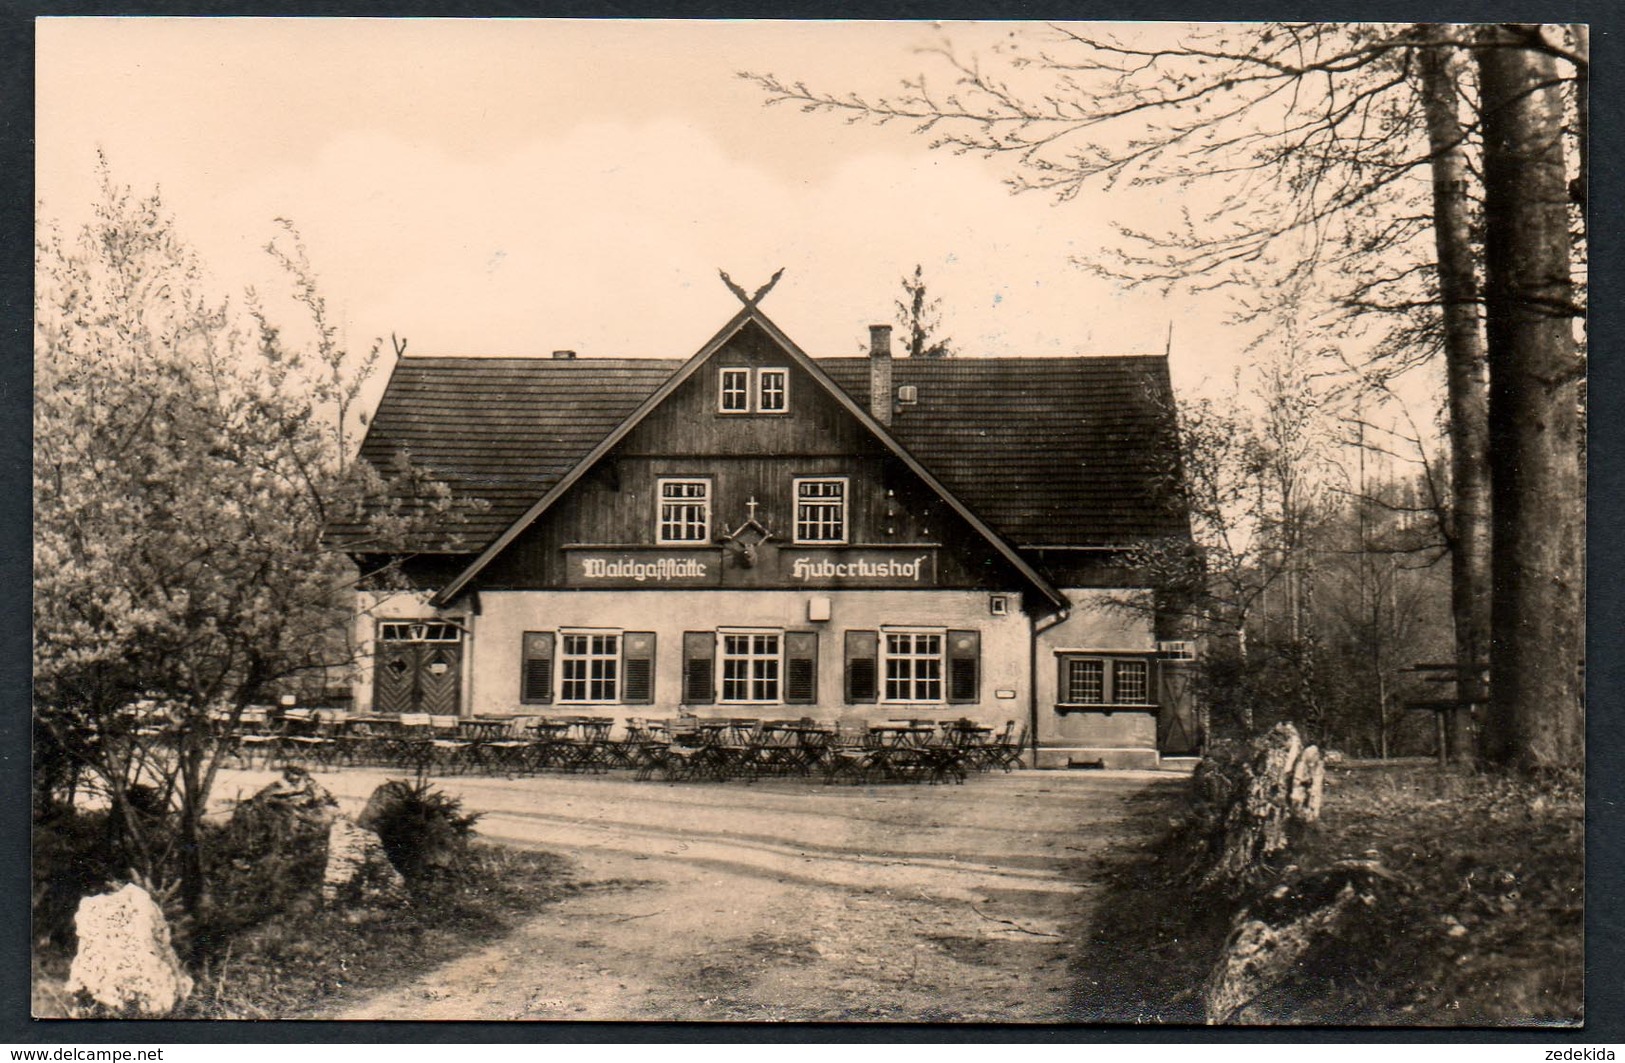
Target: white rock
x: 125, y: 959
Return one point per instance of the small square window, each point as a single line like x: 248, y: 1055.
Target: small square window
x: 772, y: 390
x: 734, y: 394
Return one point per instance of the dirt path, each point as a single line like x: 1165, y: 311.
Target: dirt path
x: 791, y: 901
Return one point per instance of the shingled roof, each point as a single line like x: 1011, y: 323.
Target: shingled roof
x: 1048, y: 451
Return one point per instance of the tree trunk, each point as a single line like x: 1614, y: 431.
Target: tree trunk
x: 1535, y: 719
x: 1467, y: 383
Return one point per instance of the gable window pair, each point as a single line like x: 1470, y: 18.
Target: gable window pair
x: 592, y: 667
x: 913, y: 665
x: 741, y: 389
x: 685, y: 510
x: 1104, y: 681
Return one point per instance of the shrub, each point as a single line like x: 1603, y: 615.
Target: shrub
x: 72, y: 858
x: 425, y: 831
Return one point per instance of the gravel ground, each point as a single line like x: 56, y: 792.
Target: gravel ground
x: 788, y: 900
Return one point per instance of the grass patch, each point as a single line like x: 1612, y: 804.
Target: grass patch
x: 295, y: 958
x: 304, y: 962
x: 1490, y: 933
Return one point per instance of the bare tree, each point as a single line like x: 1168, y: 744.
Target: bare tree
x: 1467, y: 372
x: 1310, y: 139
x: 1536, y: 717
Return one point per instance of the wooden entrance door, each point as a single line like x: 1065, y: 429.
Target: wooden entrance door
x: 418, y: 667
x: 1178, y: 730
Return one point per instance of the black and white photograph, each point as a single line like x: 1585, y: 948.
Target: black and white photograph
x: 838, y: 522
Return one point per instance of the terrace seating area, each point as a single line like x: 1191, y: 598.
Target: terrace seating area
x: 679, y: 749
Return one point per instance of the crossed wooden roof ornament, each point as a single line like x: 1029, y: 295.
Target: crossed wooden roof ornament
x: 750, y: 301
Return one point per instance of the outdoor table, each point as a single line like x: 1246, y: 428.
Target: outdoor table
x: 812, y: 744
x: 580, y: 745
x: 910, y: 735
x: 510, y: 747
x: 308, y: 733
x: 776, y: 748
x: 550, y: 736
x: 900, y: 749
x: 479, y: 738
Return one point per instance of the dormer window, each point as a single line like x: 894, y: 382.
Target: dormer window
x: 742, y: 390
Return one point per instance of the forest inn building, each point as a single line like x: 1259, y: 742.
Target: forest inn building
x: 755, y: 532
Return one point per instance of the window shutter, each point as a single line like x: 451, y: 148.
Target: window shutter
x: 536, y: 682
x: 964, y: 666
x: 699, y: 667
x: 801, y: 668
x: 638, y: 668
x: 862, y: 667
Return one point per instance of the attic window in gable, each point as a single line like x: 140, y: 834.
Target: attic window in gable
x: 743, y: 390
x: 772, y: 390
x: 734, y: 396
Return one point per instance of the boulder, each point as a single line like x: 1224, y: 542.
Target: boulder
x: 1268, y: 940
x: 358, y: 872
x: 295, y: 797
x: 1249, y: 803
x: 272, y: 851
x: 125, y: 960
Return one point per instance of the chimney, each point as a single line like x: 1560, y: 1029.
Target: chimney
x: 565, y: 356
x: 880, y: 373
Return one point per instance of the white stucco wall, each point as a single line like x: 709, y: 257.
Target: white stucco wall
x: 1119, y: 739
x: 491, y: 673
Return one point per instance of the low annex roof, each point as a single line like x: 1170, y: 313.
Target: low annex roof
x: 1052, y: 451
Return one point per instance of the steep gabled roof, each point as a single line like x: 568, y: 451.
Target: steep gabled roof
x: 750, y: 313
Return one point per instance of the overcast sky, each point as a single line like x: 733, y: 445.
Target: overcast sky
x: 509, y: 188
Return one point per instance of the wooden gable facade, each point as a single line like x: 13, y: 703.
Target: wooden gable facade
x: 751, y: 462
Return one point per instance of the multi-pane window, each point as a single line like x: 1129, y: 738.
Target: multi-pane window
x: 913, y: 666
x: 820, y: 511
x: 1085, y: 682
x: 735, y: 391
x: 750, y: 666
x: 685, y: 511
x: 590, y: 667
x: 1105, y: 681
x: 772, y: 390
x: 1129, y: 686
x: 744, y: 390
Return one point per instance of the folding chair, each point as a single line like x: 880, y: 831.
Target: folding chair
x: 1007, y: 753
